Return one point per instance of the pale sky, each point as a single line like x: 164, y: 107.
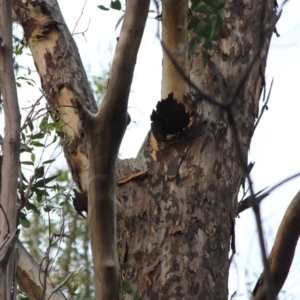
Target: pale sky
x: 275, y: 146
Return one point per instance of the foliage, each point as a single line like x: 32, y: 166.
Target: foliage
x: 54, y: 234
x: 113, y: 4
x: 205, y: 22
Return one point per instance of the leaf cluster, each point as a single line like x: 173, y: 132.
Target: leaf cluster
x: 204, y: 24
x: 114, y: 4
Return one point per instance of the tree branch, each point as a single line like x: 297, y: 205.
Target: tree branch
x: 104, y: 132
x: 283, y: 250
x: 11, y: 148
x: 29, y: 274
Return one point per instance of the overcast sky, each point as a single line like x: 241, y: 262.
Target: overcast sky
x: 275, y: 146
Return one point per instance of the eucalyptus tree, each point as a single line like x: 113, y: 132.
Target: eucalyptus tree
x: 172, y: 209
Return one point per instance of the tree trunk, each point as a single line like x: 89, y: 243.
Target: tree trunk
x: 176, y: 221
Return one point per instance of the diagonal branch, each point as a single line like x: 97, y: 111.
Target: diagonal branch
x: 29, y: 273
x: 283, y: 250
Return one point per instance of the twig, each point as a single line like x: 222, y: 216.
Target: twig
x: 59, y: 286
x: 265, y: 106
x: 31, y: 112
x: 24, y: 197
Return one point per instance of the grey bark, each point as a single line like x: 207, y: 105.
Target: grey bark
x: 11, y: 147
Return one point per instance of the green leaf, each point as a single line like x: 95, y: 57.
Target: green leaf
x: 30, y: 124
x: 220, y: 4
x: 39, y: 172
x: 193, y: 23
x: 216, y: 26
x: 25, y: 148
x: 127, y: 287
x: 43, y: 182
x: 203, y: 9
x: 32, y: 157
x: 33, y: 208
x: 23, y: 137
x: 39, y: 197
x: 203, y: 41
x: 28, y: 163
x: 37, y: 144
x: 119, y: 21
x: 193, y: 45
x: 202, y: 29
x: 194, y: 3
x: 103, y: 7
x: 24, y: 222
x: 126, y: 266
x: 221, y: 13
x: 44, y: 122
x: 39, y: 135
x: 48, y: 161
x: 48, y: 208
x: 216, y: 4
x: 215, y: 47
x: 116, y: 5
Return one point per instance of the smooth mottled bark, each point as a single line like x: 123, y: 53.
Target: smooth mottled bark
x: 11, y: 147
x: 176, y: 221
x: 174, y: 36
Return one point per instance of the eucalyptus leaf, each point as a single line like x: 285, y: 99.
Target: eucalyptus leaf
x: 103, y: 7
x: 127, y: 287
x: 119, y: 21
x: 116, y: 5
x: 24, y: 222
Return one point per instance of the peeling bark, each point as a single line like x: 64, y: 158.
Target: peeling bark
x: 63, y: 77
x: 30, y: 276
x: 176, y: 220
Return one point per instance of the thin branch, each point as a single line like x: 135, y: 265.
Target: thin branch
x: 24, y: 196
x: 265, y: 106
x: 59, y: 286
x: 250, y: 202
